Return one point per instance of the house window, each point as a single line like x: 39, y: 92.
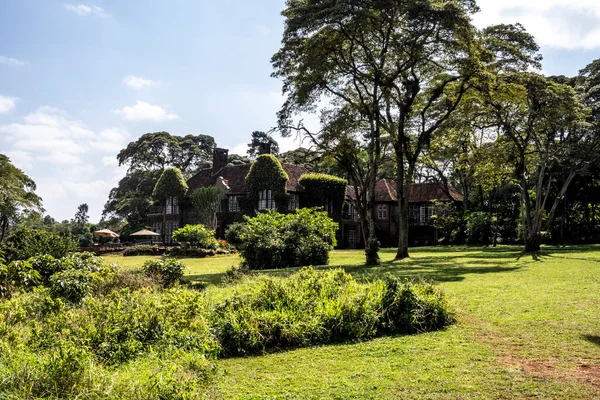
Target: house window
x: 352, y: 239
x: 349, y: 212
x: 294, y: 202
x: 234, y: 205
x: 265, y: 200
x: 414, y: 214
x: 382, y: 211
x: 172, y: 206
x: 426, y: 213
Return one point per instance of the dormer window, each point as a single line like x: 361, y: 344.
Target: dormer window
x: 265, y: 200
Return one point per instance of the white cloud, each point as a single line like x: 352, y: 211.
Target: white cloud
x: 21, y: 159
x: 137, y: 82
x: 143, y: 111
x: 13, y: 62
x: 51, y: 137
x: 565, y: 24
x: 84, y: 10
x: 70, y: 162
x: 7, y: 103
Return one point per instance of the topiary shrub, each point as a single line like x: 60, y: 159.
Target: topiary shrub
x: 267, y: 173
x: 197, y: 236
x: 324, y: 190
x: 273, y: 240
x: 25, y: 243
x: 168, y: 271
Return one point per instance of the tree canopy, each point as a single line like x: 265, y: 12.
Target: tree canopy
x: 17, y: 194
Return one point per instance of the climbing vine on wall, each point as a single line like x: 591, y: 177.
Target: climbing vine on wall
x: 266, y: 173
x: 322, y: 188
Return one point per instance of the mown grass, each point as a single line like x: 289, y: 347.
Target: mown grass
x: 529, y: 326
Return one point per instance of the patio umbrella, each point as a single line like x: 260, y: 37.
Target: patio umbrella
x: 106, y: 233
x: 145, y: 232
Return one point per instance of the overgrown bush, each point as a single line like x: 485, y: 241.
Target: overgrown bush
x: 273, y: 240
x: 155, y: 343
x: 197, y: 236
x: 312, y: 307
x: 168, y: 271
x: 144, y: 250
x: 25, y: 243
x: 194, y: 252
x: 17, y: 275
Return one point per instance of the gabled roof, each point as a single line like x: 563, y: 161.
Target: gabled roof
x: 235, y: 177
x: 385, y: 190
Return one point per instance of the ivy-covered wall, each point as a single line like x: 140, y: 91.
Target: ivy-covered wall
x: 267, y: 173
x: 322, y: 189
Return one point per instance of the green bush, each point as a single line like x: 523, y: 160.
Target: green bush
x: 272, y: 240
x: 144, y: 250
x: 197, y: 236
x: 25, y: 243
x: 17, y: 275
x: 313, y: 307
x: 74, y: 284
x: 168, y: 271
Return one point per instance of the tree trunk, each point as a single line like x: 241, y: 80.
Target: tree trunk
x: 403, y: 217
x: 533, y: 242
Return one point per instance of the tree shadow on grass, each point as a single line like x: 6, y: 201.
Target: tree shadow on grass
x: 592, y: 339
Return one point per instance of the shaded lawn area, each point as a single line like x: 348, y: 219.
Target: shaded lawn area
x: 529, y: 326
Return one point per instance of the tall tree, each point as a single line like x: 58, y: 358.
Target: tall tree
x: 545, y: 124
x: 171, y: 184
x: 404, y: 66
x: 146, y: 159
x: 17, y: 194
x: 159, y: 150
x: 262, y: 143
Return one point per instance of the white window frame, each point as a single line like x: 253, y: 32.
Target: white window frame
x: 234, y: 204
x: 172, y: 206
x: 265, y: 200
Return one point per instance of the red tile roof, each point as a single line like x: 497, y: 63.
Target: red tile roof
x: 235, y: 177
x: 385, y: 190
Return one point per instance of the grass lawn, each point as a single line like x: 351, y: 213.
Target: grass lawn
x: 529, y: 327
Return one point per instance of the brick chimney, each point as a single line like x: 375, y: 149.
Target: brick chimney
x: 219, y: 159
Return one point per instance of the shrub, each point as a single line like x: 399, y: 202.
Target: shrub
x: 232, y: 233
x: 144, y: 250
x: 168, y: 271
x: 196, y: 236
x: 74, y: 284
x: 46, y: 265
x: 272, y: 240
x: 413, y: 308
x: 311, y: 307
x: 17, y: 274
x: 25, y: 243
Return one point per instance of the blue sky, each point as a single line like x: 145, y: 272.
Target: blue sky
x: 78, y: 81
